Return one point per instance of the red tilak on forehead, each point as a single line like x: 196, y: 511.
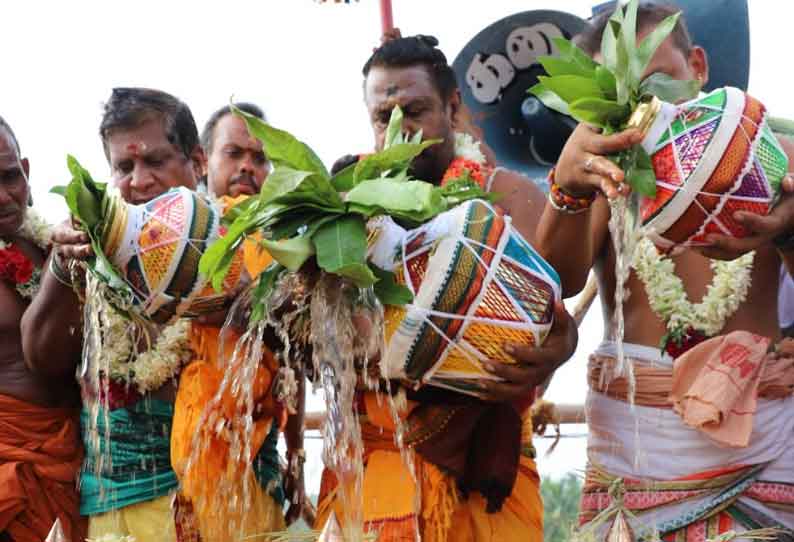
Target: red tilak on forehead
x: 136, y: 148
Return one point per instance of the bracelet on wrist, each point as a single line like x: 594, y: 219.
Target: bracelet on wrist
x: 565, y: 202
x: 61, y: 275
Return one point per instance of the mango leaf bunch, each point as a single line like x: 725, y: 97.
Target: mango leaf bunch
x: 605, y: 95
x: 90, y: 203
x: 304, y: 213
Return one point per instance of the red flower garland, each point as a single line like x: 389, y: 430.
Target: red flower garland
x: 15, y: 266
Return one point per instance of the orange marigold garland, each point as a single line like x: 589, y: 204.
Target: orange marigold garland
x: 469, y: 163
x: 463, y: 168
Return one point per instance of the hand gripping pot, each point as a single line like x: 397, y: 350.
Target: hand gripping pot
x: 157, y: 246
x: 712, y: 156
x: 477, y: 284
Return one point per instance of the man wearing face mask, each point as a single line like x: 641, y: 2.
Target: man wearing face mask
x: 40, y: 452
x: 152, y: 145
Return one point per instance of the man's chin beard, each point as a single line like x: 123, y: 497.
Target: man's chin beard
x: 425, y: 172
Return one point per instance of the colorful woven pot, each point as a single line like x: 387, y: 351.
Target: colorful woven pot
x: 157, y: 247
x: 477, y: 284
x: 713, y: 156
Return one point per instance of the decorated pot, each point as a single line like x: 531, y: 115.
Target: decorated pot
x: 712, y: 156
x: 157, y: 246
x: 477, y: 284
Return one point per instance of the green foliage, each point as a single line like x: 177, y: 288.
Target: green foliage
x: 606, y: 95
x: 88, y: 203
x: 668, y: 89
x: 387, y: 289
x: 341, y: 247
x: 302, y: 212
x: 560, y: 507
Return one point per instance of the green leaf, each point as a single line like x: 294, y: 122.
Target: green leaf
x: 457, y: 191
x: 549, y: 99
x: 621, y: 71
x: 639, y: 173
x: 415, y: 201
x: 285, y: 184
x: 628, y: 41
x: 359, y: 273
x: 83, y: 197
x: 556, y: 66
x: 59, y: 190
x: 260, y: 297
x: 305, y: 223
x: 281, y: 147
x: 388, y: 291
x: 606, y: 80
x: 653, y: 40
x: 345, y: 179
x: 394, y: 132
x: 600, y: 112
x: 609, y: 48
x: 570, y: 52
x: 572, y: 87
x: 291, y: 253
x: 643, y: 181
x: 395, y: 157
x: 341, y: 247
x: 240, y: 209
x: 668, y: 89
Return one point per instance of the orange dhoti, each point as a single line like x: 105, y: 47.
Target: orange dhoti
x: 394, y: 505
x: 213, y: 483
x: 40, y: 456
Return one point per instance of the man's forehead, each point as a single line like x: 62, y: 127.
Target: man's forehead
x: 231, y: 128
x: 384, y: 83
x: 144, y: 139
x: 8, y: 152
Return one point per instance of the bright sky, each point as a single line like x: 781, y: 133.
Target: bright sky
x: 300, y: 60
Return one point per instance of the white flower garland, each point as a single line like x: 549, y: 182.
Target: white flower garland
x: 148, y: 370
x: 668, y: 299
x: 36, y: 229
x: 468, y: 148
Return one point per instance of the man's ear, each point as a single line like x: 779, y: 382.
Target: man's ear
x: 699, y: 63
x: 26, y: 170
x: 199, y: 161
x: 454, y: 104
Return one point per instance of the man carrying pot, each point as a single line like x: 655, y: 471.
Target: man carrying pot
x: 703, y: 444
x: 469, y: 487
x: 127, y: 483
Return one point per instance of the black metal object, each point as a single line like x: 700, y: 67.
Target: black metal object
x: 497, y: 67
x: 495, y: 70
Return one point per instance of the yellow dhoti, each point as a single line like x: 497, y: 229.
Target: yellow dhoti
x: 393, y: 505
x: 150, y: 521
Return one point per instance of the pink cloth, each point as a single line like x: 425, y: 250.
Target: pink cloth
x: 716, y: 384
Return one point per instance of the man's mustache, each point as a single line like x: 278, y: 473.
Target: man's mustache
x: 244, y: 178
